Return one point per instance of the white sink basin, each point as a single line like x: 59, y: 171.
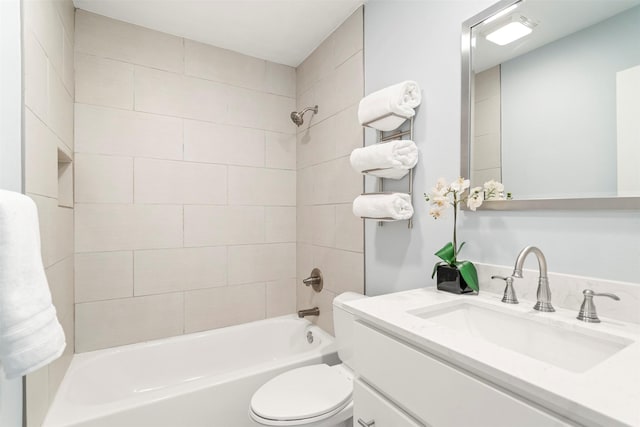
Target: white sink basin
x: 562, y: 345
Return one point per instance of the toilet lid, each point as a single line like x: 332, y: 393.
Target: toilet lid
x: 301, y: 393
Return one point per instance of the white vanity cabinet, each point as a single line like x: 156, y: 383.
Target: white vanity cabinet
x: 433, y: 392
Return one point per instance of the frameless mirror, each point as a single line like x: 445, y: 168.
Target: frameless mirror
x: 551, y: 103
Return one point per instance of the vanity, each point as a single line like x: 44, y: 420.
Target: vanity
x: 425, y: 357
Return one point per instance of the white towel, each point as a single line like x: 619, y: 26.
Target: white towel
x: 30, y: 334
x: 400, y: 99
x: 392, y: 159
x: 389, y: 207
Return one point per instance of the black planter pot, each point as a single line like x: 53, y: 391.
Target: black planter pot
x: 449, y: 279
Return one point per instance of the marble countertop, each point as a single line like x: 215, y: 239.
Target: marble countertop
x: 605, y: 394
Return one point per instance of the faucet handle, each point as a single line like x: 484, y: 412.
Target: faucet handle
x: 588, y: 309
x: 509, y: 296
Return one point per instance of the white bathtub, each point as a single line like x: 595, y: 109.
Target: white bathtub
x: 204, y: 379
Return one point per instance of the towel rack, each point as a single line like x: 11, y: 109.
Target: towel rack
x: 382, y: 139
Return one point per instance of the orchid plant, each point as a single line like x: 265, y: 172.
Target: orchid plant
x: 440, y: 198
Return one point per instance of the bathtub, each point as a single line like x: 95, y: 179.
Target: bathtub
x: 202, y: 379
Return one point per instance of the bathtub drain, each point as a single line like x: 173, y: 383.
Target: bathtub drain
x: 310, y: 337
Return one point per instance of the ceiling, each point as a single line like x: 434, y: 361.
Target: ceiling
x: 282, y: 31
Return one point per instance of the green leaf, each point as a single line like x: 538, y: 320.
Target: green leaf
x: 435, y: 268
x: 460, y: 247
x: 469, y: 274
x: 447, y: 253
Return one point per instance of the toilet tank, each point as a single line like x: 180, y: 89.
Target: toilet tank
x: 343, y: 321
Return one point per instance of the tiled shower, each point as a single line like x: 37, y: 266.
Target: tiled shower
x: 197, y: 203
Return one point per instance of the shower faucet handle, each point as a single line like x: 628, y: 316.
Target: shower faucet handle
x: 315, y: 280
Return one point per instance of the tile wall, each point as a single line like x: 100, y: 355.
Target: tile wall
x: 329, y: 236
x: 185, y: 189
x: 486, y: 154
x: 48, y: 35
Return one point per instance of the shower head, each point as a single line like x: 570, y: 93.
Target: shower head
x: 296, y: 116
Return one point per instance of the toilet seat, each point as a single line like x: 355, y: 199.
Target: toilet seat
x: 303, y: 395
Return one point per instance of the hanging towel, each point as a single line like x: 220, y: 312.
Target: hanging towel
x: 400, y: 99
x: 391, y: 159
x: 30, y: 334
x: 386, y: 207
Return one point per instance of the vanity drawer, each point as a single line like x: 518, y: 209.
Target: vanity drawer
x: 369, y: 406
x: 434, y: 392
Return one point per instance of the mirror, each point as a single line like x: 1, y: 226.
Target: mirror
x: 551, y: 103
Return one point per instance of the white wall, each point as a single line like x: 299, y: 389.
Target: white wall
x: 10, y: 161
x: 421, y: 41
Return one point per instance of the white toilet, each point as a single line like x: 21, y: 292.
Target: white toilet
x: 316, y: 395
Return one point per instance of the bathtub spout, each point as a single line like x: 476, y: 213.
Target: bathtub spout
x: 315, y: 311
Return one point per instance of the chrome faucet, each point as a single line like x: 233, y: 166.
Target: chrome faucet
x: 544, y: 293
x: 315, y: 311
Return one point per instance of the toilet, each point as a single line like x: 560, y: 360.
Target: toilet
x: 315, y: 395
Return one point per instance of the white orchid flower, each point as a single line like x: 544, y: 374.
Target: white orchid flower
x: 435, y: 212
x: 494, y: 190
x: 440, y: 201
x: 475, y: 199
x: 460, y: 184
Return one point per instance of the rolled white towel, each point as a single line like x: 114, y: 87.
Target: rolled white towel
x: 392, y: 159
x: 385, y: 207
x: 400, y: 99
x: 30, y: 334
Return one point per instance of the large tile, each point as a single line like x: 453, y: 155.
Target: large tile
x: 347, y: 132
x: 103, y: 82
x: 56, y: 229
x: 169, y: 270
x: 280, y: 224
x: 247, y: 108
x: 126, y: 133
x: 108, y: 38
x: 343, y: 271
x: 42, y: 18
x: 40, y: 157
x: 348, y: 38
x: 253, y: 263
x: 229, y: 145
x: 60, y: 114
x: 304, y: 261
x: 349, y: 82
x: 67, y: 12
x: 126, y: 227
x: 280, y: 150
x: 304, y: 186
x: 103, y: 275
x: 223, y: 225
x: 68, y: 66
x: 225, y: 306
x: 281, y: 297
x: 349, y: 229
x: 103, y: 324
x: 324, y: 225
x: 172, y: 182
x: 35, y: 76
x: 487, y: 84
x: 487, y: 117
x: 265, y: 187
x: 316, y: 66
x: 60, y: 278
x: 486, y: 152
x: 36, y: 392
x: 304, y: 224
x: 278, y: 113
x: 222, y: 65
x: 180, y: 96
x: 103, y: 179
x: 336, y: 182
x: 280, y: 80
